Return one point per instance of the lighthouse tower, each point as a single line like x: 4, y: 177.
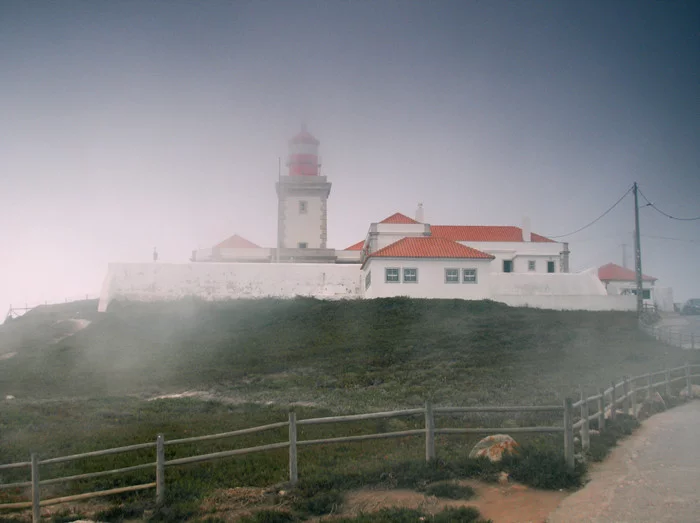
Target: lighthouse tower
x: 302, y: 204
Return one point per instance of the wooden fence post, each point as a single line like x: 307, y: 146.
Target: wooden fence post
x: 293, y: 474
x: 613, y: 403
x: 688, y: 381
x: 585, y: 434
x: 627, y: 403
x: 568, y: 433
x: 633, y: 396
x: 160, y: 469
x: 429, y: 432
x: 36, y: 490
x: 601, y: 409
x: 667, y: 380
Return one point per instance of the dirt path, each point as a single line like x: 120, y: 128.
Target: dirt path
x: 503, y: 504
x: 650, y: 477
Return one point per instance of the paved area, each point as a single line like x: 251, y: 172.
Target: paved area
x: 653, y: 476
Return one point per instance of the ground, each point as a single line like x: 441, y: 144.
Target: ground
x: 651, y: 477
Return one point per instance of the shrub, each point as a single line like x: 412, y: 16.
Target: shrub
x: 543, y: 468
x: 269, y: 516
x: 319, y: 503
x: 406, y: 515
x: 450, y: 490
x: 119, y: 513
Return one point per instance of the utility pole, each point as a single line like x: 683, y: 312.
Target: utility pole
x: 638, y: 254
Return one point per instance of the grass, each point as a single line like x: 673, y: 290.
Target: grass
x: 86, y: 392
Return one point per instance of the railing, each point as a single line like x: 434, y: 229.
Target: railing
x: 625, y: 394
x: 293, y: 443
x: 672, y: 335
x: 607, y: 402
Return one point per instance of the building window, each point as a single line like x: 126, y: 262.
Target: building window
x: 531, y: 265
x: 303, y: 206
x: 451, y: 275
x: 391, y: 275
x: 507, y: 265
x: 410, y: 275
x: 368, y: 280
x: 469, y: 276
x: 303, y: 245
x: 646, y: 293
x: 550, y: 266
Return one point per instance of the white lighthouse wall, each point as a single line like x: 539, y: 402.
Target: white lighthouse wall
x: 302, y: 227
x: 220, y: 281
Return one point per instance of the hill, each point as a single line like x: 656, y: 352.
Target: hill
x: 349, y: 355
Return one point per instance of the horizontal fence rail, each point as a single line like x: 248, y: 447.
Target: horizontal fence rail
x: 606, y: 403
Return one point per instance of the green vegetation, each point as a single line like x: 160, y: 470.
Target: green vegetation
x: 404, y: 515
x: 450, y: 490
x: 348, y: 356
x: 253, y: 359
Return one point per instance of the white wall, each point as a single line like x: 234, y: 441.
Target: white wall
x: 521, y: 253
x: 348, y: 256
x: 220, y: 281
x: 588, y: 303
x: 562, y: 284
x: 431, y: 279
x: 252, y: 254
x: 302, y: 227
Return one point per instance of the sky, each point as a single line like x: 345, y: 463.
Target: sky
x: 129, y: 125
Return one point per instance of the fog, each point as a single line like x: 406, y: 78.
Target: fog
x: 126, y: 126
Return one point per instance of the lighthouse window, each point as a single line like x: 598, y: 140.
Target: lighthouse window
x: 303, y: 206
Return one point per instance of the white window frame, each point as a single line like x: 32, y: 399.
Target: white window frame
x: 403, y: 275
x: 303, y: 207
x: 386, y: 274
x: 456, y: 274
x: 469, y: 271
x: 532, y: 265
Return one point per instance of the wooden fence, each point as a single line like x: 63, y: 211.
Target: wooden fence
x: 673, y: 335
x: 605, y: 399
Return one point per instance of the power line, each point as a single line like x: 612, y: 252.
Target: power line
x: 596, y: 220
x: 687, y: 240
x: 666, y: 214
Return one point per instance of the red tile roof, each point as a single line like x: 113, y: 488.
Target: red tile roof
x: 483, y: 233
x: 427, y: 247
x: 398, y: 218
x: 356, y: 246
x: 236, y: 242
x: 612, y: 272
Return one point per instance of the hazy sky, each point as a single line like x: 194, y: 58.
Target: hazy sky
x: 129, y: 125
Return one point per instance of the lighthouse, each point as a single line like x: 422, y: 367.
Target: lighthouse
x: 302, y: 196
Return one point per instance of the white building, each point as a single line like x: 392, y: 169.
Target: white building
x: 623, y: 282
x: 400, y: 256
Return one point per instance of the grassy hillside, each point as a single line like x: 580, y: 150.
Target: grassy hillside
x: 352, y: 355
x: 82, y: 390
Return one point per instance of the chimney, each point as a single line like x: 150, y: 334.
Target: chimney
x: 419, y: 213
x: 527, y: 230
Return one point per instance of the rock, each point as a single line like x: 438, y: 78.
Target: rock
x: 503, y: 478
x: 694, y: 391
x: 9, y: 397
x: 594, y: 432
x: 494, y: 447
x: 652, y: 405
